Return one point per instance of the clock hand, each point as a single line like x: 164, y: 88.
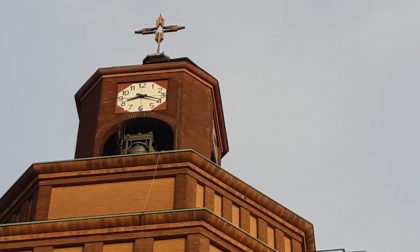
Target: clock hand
x: 150, y: 97
x: 132, y: 98
x: 138, y: 96
x: 154, y: 97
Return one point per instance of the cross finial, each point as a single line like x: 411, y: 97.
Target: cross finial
x: 159, y: 30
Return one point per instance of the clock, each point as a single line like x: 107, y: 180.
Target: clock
x: 141, y: 96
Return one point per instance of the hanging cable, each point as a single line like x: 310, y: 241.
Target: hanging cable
x: 149, y: 192
x: 177, y: 117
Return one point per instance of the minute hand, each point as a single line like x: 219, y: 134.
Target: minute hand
x: 151, y: 97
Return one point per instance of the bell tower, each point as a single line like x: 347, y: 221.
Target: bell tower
x: 168, y: 104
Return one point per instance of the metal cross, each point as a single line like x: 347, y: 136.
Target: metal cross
x: 159, y: 30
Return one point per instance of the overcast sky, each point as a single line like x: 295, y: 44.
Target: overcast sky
x: 321, y: 97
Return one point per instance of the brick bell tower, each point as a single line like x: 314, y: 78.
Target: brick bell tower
x: 146, y: 174
x: 175, y: 100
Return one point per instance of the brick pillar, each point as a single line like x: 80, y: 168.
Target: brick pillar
x: 279, y: 236
x: 43, y: 202
x: 244, y: 215
x: 43, y: 249
x: 197, y: 243
x: 143, y: 245
x: 209, y: 198
x: 185, y: 187
x: 227, y: 209
x: 262, y: 230
x: 93, y: 247
x: 296, y: 246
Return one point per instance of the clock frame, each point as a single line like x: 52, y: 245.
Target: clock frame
x: 141, y: 96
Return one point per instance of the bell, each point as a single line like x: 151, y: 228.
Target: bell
x: 137, y: 147
x: 136, y: 143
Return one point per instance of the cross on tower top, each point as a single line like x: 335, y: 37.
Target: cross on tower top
x: 159, y: 30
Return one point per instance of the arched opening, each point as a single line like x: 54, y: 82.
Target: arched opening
x: 161, y: 131
x: 213, y: 158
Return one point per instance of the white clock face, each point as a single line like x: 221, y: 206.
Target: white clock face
x: 142, y: 96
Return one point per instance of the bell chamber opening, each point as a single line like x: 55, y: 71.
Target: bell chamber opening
x: 139, y: 135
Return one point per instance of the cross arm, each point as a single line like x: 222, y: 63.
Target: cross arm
x: 146, y: 31
x: 173, y: 28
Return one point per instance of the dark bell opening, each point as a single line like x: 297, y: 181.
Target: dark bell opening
x: 161, y: 131
x: 213, y: 157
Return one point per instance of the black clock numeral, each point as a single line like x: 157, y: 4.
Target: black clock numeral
x: 130, y: 106
x: 151, y: 105
x: 141, y: 108
x: 120, y: 98
x: 159, y: 100
x: 153, y: 85
x: 142, y: 85
x: 160, y: 90
x: 162, y: 95
x: 126, y: 92
x: 122, y: 103
x: 132, y: 88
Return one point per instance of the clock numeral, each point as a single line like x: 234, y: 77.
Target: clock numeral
x: 126, y: 92
x: 151, y: 105
x: 132, y: 88
x: 160, y: 90
x: 153, y: 85
x: 122, y: 103
x: 159, y: 100
x: 120, y: 98
x: 141, y: 108
x: 142, y: 85
x: 162, y: 95
x: 130, y: 106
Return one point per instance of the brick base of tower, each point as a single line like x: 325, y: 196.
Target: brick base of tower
x: 167, y: 201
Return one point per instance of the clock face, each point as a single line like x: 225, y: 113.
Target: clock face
x: 141, y: 96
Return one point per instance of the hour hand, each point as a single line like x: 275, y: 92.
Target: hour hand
x: 138, y: 96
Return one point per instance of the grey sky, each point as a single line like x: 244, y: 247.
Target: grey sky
x: 321, y: 97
